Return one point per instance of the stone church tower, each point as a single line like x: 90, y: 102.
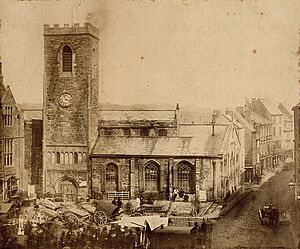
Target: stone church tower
x: 71, y: 97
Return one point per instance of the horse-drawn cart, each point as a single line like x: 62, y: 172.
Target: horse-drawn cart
x: 100, y: 212
x: 275, y: 215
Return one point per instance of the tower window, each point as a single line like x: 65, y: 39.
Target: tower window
x: 67, y: 59
x: 162, y: 133
x: 144, y: 132
x: 126, y: 132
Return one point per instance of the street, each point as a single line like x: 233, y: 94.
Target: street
x: 241, y: 227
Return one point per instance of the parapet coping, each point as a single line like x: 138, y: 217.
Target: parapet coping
x: 74, y: 29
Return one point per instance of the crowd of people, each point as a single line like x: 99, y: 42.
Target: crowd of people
x: 90, y: 237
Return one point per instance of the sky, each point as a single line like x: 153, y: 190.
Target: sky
x: 202, y: 53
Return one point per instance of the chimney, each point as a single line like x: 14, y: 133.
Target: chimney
x: 215, y: 115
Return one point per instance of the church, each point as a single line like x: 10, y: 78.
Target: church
x: 88, y: 151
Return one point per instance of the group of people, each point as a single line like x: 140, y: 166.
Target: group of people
x: 199, y: 232
x: 179, y: 192
x: 117, y: 201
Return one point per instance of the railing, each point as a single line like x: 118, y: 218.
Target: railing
x: 121, y: 195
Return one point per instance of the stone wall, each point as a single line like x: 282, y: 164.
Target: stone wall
x: 33, y: 162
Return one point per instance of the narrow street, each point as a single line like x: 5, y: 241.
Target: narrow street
x: 241, y: 227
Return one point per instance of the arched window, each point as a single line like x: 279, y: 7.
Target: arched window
x: 185, y: 177
x: 111, y: 177
x: 162, y: 133
x: 66, y: 158
x: 144, y: 132
x: 53, y: 158
x: 49, y: 157
x: 151, y: 176
x: 62, y: 158
x: 75, y: 158
x: 67, y: 59
x: 80, y: 158
x: 84, y: 157
x: 57, y: 157
x: 71, y: 158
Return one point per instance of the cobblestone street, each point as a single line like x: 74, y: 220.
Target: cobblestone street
x: 241, y: 227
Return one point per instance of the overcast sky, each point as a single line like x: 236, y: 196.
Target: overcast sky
x: 204, y: 53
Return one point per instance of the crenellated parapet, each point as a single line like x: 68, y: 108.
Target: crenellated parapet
x: 68, y: 29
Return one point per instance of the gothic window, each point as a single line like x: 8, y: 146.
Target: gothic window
x: 162, y: 133
x: 111, y: 177
x: 185, y: 177
x: 151, y: 176
x: 144, y: 132
x: 67, y: 59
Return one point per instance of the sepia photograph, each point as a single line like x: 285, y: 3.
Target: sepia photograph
x: 149, y: 124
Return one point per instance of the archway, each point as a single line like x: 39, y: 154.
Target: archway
x: 152, y: 173
x: 185, y: 177
x: 111, y: 177
x: 68, y: 188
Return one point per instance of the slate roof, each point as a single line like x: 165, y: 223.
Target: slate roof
x: 201, y: 144
x: 285, y: 110
x: 272, y: 109
x: 134, y: 115
x: 259, y: 119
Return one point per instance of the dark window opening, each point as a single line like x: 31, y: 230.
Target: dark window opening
x: 67, y: 59
x: 57, y: 157
x: 107, y: 132
x: 126, y: 132
x: 162, y: 133
x: 75, y: 158
x: 144, y: 132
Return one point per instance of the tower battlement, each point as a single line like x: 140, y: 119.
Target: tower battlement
x: 68, y: 29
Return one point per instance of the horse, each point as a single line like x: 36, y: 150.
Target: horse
x: 269, y: 212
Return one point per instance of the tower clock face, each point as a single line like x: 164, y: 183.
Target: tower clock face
x: 65, y: 99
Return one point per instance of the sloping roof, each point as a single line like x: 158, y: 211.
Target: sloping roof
x: 285, y: 110
x: 243, y: 121
x: 133, y: 115
x: 159, y: 146
x: 259, y: 119
x: 272, y: 109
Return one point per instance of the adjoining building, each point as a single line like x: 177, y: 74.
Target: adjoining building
x: 288, y: 130
x: 266, y: 109
x: 149, y: 152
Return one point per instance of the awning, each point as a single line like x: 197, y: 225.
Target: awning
x: 5, y: 207
x: 288, y: 160
x: 153, y: 221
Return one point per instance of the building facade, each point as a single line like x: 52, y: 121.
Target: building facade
x: 71, y: 100
x: 150, y: 153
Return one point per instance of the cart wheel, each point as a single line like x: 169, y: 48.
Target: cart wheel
x: 63, y: 214
x: 136, y: 214
x: 100, y: 218
x: 72, y: 221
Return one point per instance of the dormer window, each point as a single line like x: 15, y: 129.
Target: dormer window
x: 162, y: 133
x: 144, y: 132
x: 67, y: 59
